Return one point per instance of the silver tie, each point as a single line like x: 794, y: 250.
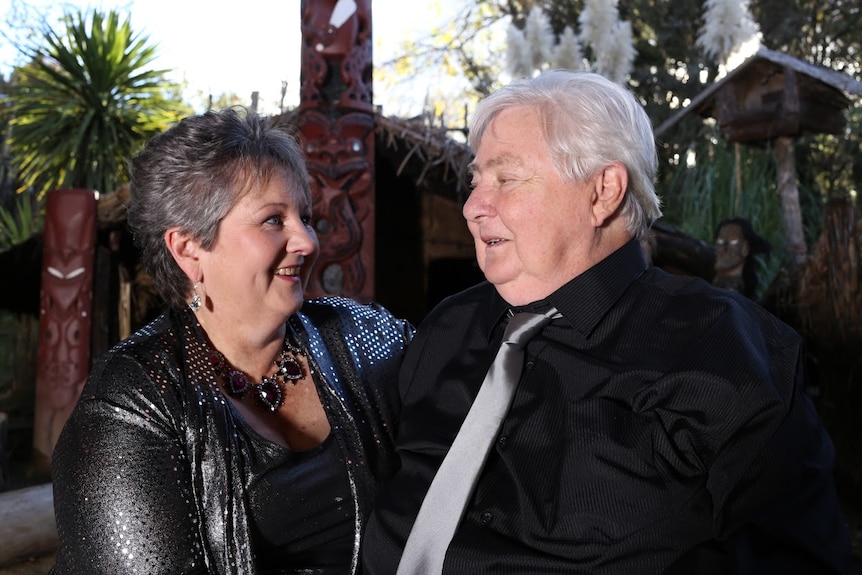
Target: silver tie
x: 454, y: 482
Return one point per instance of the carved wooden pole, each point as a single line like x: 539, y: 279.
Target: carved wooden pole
x: 336, y: 124
x: 66, y: 302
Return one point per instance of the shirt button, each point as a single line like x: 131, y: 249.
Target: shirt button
x: 530, y: 364
x: 486, y: 517
x: 503, y: 439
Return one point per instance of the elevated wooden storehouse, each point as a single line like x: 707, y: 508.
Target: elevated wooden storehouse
x: 771, y: 95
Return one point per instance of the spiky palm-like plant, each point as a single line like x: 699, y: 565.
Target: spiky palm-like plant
x: 86, y: 101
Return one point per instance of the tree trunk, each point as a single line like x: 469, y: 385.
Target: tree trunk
x: 785, y: 164
x: 27, y: 526
x: 4, y: 451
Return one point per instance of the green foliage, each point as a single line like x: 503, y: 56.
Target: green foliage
x: 20, y: 222
x: 86, y: 102
x: 19, y: 340
x: 834, y: 164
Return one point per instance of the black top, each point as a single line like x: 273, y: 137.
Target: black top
x: 299, y: 507
x: 660, y: 426
x: 154, y: 472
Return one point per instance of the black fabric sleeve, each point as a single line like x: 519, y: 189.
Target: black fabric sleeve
x: 123, y: 497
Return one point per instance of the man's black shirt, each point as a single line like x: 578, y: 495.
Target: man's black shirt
x: 660, y: 426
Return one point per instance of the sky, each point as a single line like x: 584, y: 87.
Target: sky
x: 245, y: 46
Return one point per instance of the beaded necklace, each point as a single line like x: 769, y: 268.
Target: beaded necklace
x: 270, y: 391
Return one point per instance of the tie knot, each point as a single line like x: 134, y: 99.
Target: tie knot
x: 524, y: 326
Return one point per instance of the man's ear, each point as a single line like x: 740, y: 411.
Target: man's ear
x: 609, y: 191
x: 185, y: 251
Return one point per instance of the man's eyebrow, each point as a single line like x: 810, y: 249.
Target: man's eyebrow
x: 497, y: 161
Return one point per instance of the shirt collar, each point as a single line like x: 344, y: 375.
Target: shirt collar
x: 494, y: 312
x: 584, y: 300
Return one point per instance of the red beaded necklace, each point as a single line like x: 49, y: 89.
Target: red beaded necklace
x: 270, y: 391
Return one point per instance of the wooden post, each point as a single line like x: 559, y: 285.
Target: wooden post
x: 336, y: 124
x: 65, y: 312
x: 785, y: 164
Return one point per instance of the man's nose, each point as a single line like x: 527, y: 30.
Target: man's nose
x: 478, y: 204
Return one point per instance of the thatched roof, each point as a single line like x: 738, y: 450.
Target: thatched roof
x: 703, y: 103
x: 428, y: 155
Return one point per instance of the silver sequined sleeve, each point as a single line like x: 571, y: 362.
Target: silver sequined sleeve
x: 122, y: 487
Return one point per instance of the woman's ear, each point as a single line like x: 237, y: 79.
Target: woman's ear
x: 609, y: 192
x: 185, y: 251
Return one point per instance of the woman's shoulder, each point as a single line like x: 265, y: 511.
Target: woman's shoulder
x: 350, y: 315
x: 341, y: 304
x: 147, y: 358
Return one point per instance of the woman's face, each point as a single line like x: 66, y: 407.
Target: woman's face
x: 262, y: 256
x: 731, y: 248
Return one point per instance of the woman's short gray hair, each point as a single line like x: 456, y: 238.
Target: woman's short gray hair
x: 588, y: 122
x: 190, y: 176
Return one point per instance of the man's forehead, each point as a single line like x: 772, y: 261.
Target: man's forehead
x: 505, y: 159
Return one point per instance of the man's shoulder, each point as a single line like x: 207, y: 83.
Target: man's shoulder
x: 702, y: 303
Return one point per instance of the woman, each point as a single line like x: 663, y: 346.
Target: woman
x: 235, y: 433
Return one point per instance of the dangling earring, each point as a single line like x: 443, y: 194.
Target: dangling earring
x: 195, y: 304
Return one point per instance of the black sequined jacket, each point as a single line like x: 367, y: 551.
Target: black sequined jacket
x: 148, y: 473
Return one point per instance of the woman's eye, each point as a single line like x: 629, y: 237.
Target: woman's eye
x: 306, y: 220
x: 274, y: 220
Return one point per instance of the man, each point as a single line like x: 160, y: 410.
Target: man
x: 660, y: 425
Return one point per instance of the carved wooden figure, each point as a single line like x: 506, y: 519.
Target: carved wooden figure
x: 66, y: 302
x: 336, y: 125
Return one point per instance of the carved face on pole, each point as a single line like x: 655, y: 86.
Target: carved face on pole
x: 731, y: 250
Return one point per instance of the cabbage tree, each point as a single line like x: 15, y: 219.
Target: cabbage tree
x: 86, y: 101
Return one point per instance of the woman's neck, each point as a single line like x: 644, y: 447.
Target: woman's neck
x: 247, y: 346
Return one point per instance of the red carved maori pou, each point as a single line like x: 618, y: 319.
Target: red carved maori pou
x: 336, y: 124
x: 66, y: 302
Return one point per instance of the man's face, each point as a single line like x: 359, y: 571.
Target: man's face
x: 531, y: 228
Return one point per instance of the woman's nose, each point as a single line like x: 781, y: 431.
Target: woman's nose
x: 302, y: 239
